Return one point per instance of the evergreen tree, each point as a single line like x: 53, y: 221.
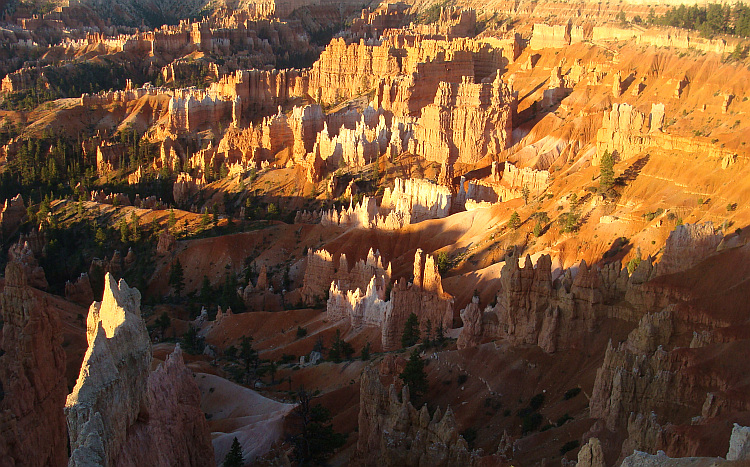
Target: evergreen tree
x: 206, y: 290
x: 172, y: 219
x: 163, y: 322
x: 515, y: 221
x: 177, y: 277
x: 410, y: 335
x: 365, y: 355
x: 606, y: 172
x: 124, y: 231
x: 247, y: 353
x: 234, y: 456
x: 414, y: 375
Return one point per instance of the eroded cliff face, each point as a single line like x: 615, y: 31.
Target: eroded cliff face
x: 367, y: 304
x: 532, y: 308
x: 393, y: 432
x: 118, y: 413
x: 32, y: 377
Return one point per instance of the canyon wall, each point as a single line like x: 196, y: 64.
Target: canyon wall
x: 627, y: 132
x: 121, y: 414
x: 32, y: 377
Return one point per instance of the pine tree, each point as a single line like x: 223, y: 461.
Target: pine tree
x: 411, y: 331
x: 172, y: 219
x: 606, y: 172
x: 234, y: 456
x: 515, y: 221
x: 365, y: 355
x: 177, y: 277
x: 414, y: 375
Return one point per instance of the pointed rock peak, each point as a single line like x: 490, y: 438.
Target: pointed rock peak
x: 405, y: 394
x: 448, y: 418
x: 436, y: 417
x: 117, y: 301
x: 528, y: 264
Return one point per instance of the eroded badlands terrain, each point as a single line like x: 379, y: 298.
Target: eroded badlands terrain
x: 408, y: 234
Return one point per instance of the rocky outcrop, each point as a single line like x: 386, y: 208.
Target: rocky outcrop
x: 553, y: 36
x: 32, y: 377
x: 591, y: 454
x: 366, y: 304
x: 471, y: 317
x: 176, y: 431
x: 11, y: 216
x: 627, y: 132
x: 393, y: 432
x: 637, y: 375
x: 109, y: 394
x: 466, y: 121
x: 687, y: 245
x: 738, y: 454
x: 23, y: 255
x: 80, y: 291
x: 166, y: 243
x: 420, y: 199
x: 118, y: 413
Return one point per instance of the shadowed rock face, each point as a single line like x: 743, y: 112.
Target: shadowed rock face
x: 395, y: 433
x: 118, y: 413
x: 32, y: 377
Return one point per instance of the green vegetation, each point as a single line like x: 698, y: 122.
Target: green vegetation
x: 515, y: 221
x: 340, y: 348
x: 431, y: 14
x: 177, y: 277
x: 410, y: 336
x: 571, y: 393
x: 71, y: 80
x: 415, y: 376
x: 710, y: 20
x: 234, y: 456
x: 315, y: 440
x: 606, y: 173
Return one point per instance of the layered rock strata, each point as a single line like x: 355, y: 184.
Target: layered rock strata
x: 32, y: 377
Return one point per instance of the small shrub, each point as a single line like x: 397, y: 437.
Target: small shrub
x: 561, y: 421
x: 536, y: 402
x: 571, y: 393
x: 462, y: 378
x: 301, y: 332
x: 531, y: 422
x: 569, y: 446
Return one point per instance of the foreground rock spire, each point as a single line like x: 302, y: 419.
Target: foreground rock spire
x: 32, y: 377
x: 119, y: 414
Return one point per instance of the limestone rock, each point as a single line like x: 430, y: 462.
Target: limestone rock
x: 113, y: 375
x: 80, y: 291
x: 739, y: 443
x: 12, y: 215
x: 395, y: 433
x: 119, y: 414
x: 687, y: 245
x: 471, y: 334
x: 166, y: 243
x: 32, y: 377
x: 22, y: 254
x: 591, y: 454
x: 176, y: 431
